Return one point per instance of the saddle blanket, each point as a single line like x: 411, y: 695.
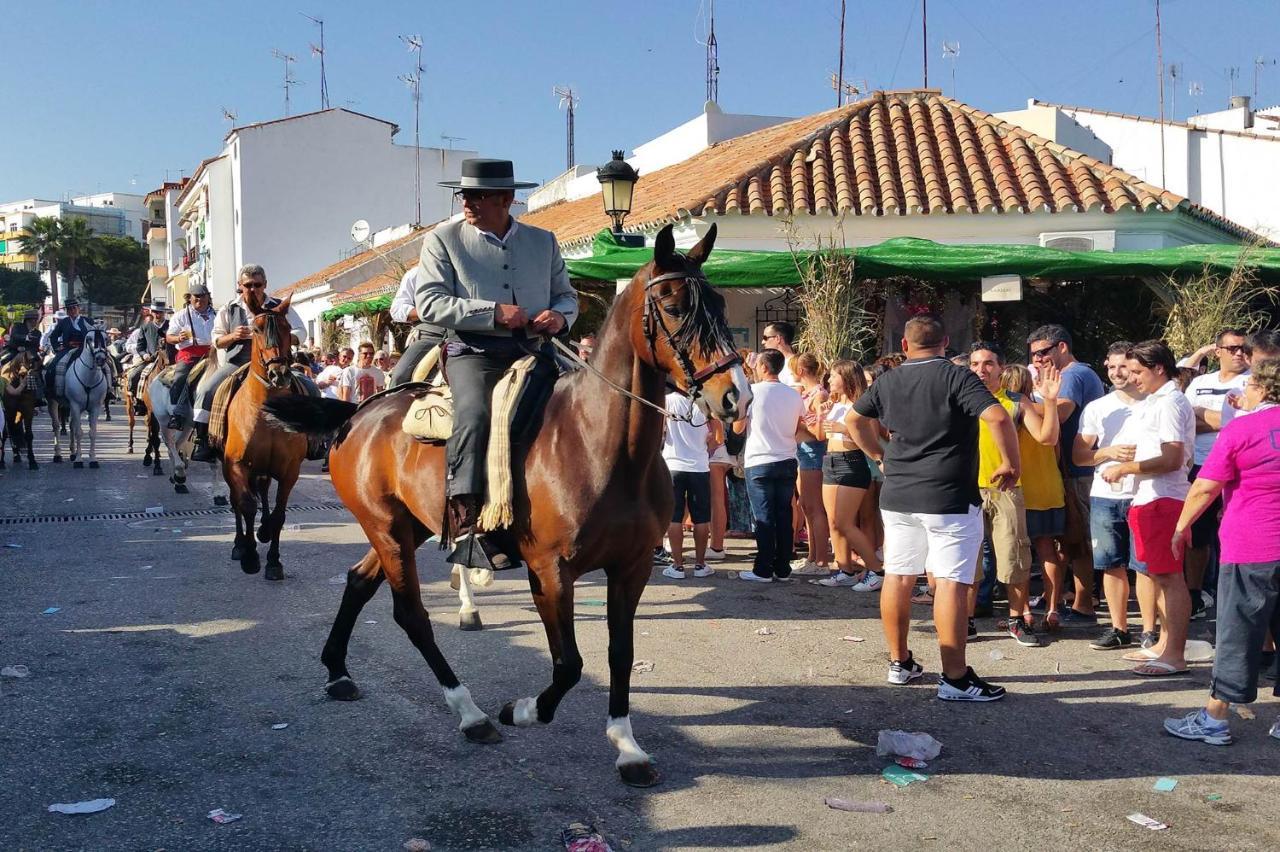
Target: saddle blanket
x: 193, y: 378
x: 56, y: 372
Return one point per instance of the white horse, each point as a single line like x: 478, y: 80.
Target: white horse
x: 85, y: 386
x: 176, y: 442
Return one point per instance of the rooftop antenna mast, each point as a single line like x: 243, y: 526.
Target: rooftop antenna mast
x: 230, y: 116
x: 569, y: 101
x: 288, y: 76
x: 713, y: 51
x: 951, y: 53
x: 449, y: 140
x: 1257, y: 70
x: 1233, y: 74
x: 838, y: 82
x: 1160, y: 80
x: 1195, y: 90
x: 1175, y: 74
x: 414, y: 82
x: 318, y: 50
x: 924, y: 38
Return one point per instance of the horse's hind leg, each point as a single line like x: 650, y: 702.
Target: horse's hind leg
x: 29, y: 433
x: 363, y: 581
x: 57, y: 441
x: 93, y: 436
x: 633, y: 763
x: 555, y: 606
x: 395, y: 539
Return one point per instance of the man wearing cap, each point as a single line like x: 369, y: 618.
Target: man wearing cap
x: 22, y: 335
x: 494, y: 286
x: 151, y: 337
x: 232, y: 333
x: 191, y: 330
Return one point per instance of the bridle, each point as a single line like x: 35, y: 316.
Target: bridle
x: 654, y: 323
x: 272, y: 340
x: 92, y: 344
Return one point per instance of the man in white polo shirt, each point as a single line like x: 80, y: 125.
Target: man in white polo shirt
x: 769, y: 460
x: 929, y: 501
x: 684, y: 448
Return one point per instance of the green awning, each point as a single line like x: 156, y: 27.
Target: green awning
x: 916, y: 258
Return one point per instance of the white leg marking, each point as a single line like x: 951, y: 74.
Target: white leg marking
x: 459, y: 701
x: 482, y: 578
x: 619, y: 733
x: 526, y: 712
x: 466, y: 597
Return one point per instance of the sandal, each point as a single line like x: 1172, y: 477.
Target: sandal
x: 925, y: 598
x: 1158, y: 668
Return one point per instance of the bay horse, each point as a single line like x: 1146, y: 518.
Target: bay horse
x: 594, y: 494
x: 256, y: 450
x: 19, y: 408
x: 85, y: 386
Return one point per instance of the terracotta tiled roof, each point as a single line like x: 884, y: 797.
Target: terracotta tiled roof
x: 379, y: 285
x: 333, y: 270
x: 893, y: 153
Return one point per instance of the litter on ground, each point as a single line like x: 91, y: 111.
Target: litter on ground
x: 642, y: 666
x: 1147, y: 822
x: 221, y: 817
x: 902, y: 744
x: 857, y: 807
x: 1165, y: 785
x: 900, y: 776
x: 15, y: 671
x: 91, y: 806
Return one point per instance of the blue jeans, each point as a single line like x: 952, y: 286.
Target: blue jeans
x: 769, y: 488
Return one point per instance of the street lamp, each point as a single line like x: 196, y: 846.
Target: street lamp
x: 617, y: 184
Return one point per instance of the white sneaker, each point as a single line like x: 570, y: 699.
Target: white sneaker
x: 702, y: 571
x: 1275, y: 730
x: 753, y: 577
x: 870, y: 582
x: 806, y: 566
x: 837, y: 580
x: 673, y: 572
x: 714, y: 555
x: 901, y: 673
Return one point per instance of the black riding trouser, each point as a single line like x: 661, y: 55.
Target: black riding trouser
x: 179, y: 387
x: 402, y: 373
x: 472, y: 376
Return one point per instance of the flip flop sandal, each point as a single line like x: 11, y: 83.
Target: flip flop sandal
x: 1142, y: 655
x: 1159, y: 669
x: 925, y: 598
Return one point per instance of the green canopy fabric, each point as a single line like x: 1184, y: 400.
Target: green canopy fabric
x: 916, y: 258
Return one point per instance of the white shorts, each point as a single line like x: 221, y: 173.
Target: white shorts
x: 947, y: 546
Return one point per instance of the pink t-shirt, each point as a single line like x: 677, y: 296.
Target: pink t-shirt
x: 1247, y: 458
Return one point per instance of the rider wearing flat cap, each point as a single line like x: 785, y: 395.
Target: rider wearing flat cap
x: 494, y: 286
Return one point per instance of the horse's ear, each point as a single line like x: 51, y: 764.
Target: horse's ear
x: 664, y: 249
x: 283, y: 307
x: 698, y: 254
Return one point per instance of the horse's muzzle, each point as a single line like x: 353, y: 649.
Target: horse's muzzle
x: 278, y: 377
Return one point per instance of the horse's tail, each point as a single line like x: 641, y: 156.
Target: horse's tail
x: 309, y: 415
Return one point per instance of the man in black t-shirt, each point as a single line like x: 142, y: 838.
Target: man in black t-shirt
x: 929, y: 501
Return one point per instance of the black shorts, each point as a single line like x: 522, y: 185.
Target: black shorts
x: 848, y: 468
x: 694, y: 491
x: 1204, y: 529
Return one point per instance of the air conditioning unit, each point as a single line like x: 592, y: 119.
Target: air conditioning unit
x: 1079, y: 240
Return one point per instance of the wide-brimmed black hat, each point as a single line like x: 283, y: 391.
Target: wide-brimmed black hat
x: 197, y: 290
x: 158, y: 305
x: 71, y: 303
x: 484, y: 174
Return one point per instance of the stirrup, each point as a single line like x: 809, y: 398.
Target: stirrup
x: 468, y: 551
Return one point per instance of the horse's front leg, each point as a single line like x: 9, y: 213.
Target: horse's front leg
x: 245, y: 507
x: 128, y: 407
x: 76, y: 438
x: 275, y: 569
x: 57, y: 426
x: 93, y: 436
x: 625, y: 587
x: 553, y: 595
x: 468, y: 613
x: 363, y: 581
x: 29, y: 433
x: 176, y: 463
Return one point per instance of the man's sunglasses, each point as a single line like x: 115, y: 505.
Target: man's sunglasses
x: 474, y: 195
x: 1235, y: 350
x: 1037, y: 354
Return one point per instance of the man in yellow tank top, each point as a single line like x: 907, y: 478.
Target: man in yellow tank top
x: 1005, y: 512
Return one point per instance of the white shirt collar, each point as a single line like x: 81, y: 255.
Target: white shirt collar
x: 494, y: 237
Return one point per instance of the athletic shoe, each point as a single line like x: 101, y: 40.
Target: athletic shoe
x: 837, y: 579
x: 973, y: 628
x: 1112, y: 640
x: 753, y: 577
x: 1148, y: 639
x: 807, y: 566
x: 903, y: 672
x: 1023, y: 634
x: 673, y: 572
x: 661, y: 557
x: 1200, y: 726
x: 1275, y: 730
x: 1039, y: 603
x: 870, y: 582
x: 968, y: 688
x: 714, y: 555
x: 702, y: 571
x: 1075, y: 618
x: 1200, y: 608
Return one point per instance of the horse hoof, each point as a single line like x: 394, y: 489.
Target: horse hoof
x: 72, y: 456
x: 275, y: 571
x: 146, y: 460
x: 32, y: 466
x: 237, y: 552
x: 342, y: 689
x: 93, y: 465
x: 181, y: 488
x: 484, y: 733
x: 219, y: 500
x: 57, y: 459
x: 155, y: 471
x: 78, y: 465
x: 526, y: 707
x: 250, y: 564
x: 639, y: 774
x: 469, y: 621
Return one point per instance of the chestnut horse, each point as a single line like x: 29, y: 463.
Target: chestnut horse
x: 595, y: 493
x: 256, y: 451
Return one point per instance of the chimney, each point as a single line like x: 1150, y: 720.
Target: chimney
x: 1238, y: 102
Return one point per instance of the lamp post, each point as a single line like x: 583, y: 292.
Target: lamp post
x: 617, y: 184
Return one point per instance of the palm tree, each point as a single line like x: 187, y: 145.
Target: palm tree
x: 43, y: 238
x: 76, y: 242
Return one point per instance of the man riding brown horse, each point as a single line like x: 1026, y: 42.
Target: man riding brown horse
x: 489, y: 282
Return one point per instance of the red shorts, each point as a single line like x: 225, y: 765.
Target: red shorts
x: 1152, y: 525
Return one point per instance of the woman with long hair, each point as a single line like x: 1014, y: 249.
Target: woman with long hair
x: 807, y: 370
x: 845, y: 479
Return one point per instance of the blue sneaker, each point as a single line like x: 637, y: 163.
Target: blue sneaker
x: 1200, y: 726
x: 1075, y: 618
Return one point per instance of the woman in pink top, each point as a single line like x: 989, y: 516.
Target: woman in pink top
x: 1244, y: 465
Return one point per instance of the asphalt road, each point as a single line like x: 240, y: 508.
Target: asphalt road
x: 159, y: 680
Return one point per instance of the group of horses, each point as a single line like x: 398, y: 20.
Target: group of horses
x: 591, y: 489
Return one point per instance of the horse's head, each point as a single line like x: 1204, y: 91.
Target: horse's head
x: 271, y: 341
x: 17, y: 370
x: 682, y: 330
x: 96, y: 342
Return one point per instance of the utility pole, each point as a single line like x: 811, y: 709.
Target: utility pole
x: 924, y: 42
x: 569, y: 101
x: 414, y: 81
x: 839, y: 81
x: 1160, y: 80
x: 288, y: 77
x: 713, y: 58
x: 318, y: 50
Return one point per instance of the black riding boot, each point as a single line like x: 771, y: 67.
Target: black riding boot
x: 470, y: 548
x: 202, y: 452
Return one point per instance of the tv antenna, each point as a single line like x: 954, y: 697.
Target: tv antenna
x: 713, y: 49
x: 847, y: 89
x: 1258, y: 63
x: 449, y: 140
x: 1232, y: 74
x: 318, y: 50
x: 951, y: 53
x: 1195, y: 89
x: 414, y: 82
x: 288, y: 76
x: 1175, y: 74
x: 230, y: 115
x: 569, y: 101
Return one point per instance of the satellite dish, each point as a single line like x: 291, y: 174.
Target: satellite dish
x: 360, y: 231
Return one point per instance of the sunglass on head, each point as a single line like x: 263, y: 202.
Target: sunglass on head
x: 1037, y: 354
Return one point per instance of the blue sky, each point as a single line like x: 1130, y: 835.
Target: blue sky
x: 115, y: 95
